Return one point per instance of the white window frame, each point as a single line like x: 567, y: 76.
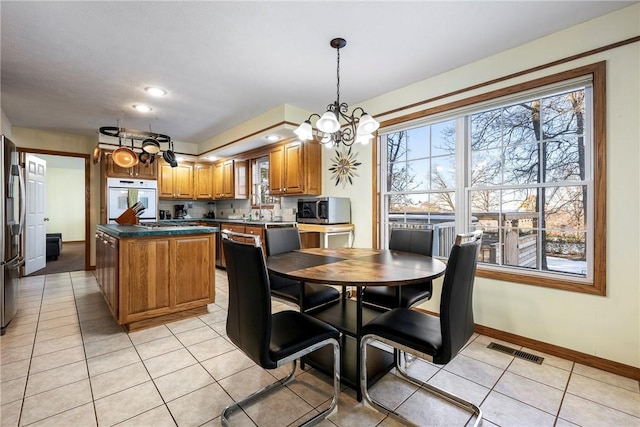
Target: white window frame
x: 463, y: 165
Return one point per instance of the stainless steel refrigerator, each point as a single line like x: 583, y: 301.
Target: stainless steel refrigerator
x: 12, y: 218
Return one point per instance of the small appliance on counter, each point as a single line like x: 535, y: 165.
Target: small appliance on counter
x: 324, y: 210
x: 165, y: 214
x: 212, y: 211
x: 180, y: 211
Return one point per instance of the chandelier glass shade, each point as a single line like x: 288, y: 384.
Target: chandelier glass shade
x: 358, y: 128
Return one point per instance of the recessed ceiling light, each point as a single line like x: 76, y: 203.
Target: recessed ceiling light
x: 212, y: 158
x: 142, y: 108
x: 273, y: 138
x: 155, y: 91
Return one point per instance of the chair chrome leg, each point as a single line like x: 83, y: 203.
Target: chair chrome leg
x: 224, y: 417
x: 450, y: 397
x: 403, y: 361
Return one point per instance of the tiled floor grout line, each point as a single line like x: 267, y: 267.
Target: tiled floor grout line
x: 86, y: 359
x: 54, y: 290
x: 33, y: 346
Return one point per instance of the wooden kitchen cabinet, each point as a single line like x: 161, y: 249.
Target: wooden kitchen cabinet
x: 236, y: 228
x: 295, y: 168
x: 203, y: 179
x: 175, y: 183
x: 256, y: 231
x: 146, y: 280
x: 231, y: 179
x: 140, y: 171
x: 245, y: 229
x: 107, y: 270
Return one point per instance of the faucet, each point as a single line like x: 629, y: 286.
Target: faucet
x: 270, y: 215
x: 260, y: 209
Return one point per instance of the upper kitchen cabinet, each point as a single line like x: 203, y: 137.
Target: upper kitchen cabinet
x: 203, y: 178
x: 175, y: 183
x: 295, y: 168
x: 230, y: 179
x: 140, y: 171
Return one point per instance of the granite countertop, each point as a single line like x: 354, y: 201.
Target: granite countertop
x: 233, y: 221
x: 119, y: 231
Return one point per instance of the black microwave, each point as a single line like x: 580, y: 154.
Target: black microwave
x: 324, y: 210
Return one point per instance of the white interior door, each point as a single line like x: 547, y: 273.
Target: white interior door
x: 35, y: 241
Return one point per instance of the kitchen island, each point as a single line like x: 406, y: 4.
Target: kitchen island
x: 153, y: 275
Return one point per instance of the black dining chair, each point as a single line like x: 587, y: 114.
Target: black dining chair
x: 419, y: 241
x: 286, y: 239
x: 427, y: 336
x: 269, y: 339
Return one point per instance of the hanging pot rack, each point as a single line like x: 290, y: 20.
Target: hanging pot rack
x: 150, y: 144
x: 138, y: 135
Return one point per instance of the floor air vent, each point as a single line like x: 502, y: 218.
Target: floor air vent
x: 517, y: 353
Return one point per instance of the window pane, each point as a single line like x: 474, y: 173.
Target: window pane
x: 521, y: 164
x: 564, y: 207
x: 483, y: 201
x: 522, y: 174
x: 486, y: 129
x: 522, y: 200
x: 397, y: 176
x: 443, y: 172
x: 418, y: 175
x: 521, y: 123
x: 418, y: 142
x: 491, y: 249
x: 566, y: 253
x: 521, y: 247
x: 435, y: 211
x: 565, y: 159
x: 402, y: 204
x: 443, y: 138
x: 563, y: 114
x: 397, y: 146
x: 486, y: 167
x: 422, y: 207
x: 443, y: 204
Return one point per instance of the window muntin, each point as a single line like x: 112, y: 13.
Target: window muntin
x: 517, y: 154
x: 260, y: 183
x: 421, y: 178
x: 534, y: 142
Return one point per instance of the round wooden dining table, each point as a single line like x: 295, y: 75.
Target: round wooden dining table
x: 354, y: 267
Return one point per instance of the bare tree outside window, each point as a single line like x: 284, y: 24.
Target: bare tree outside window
x: 526, y: 163
x: 421, y: 181
x: 527, y: 185
x: 533, y: 154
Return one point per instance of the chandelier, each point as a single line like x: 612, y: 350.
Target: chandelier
x: 359, y: 125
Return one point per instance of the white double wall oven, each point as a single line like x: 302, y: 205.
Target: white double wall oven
x: 123, y: 193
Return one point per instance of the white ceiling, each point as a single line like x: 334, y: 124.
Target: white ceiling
x: 76, y: 66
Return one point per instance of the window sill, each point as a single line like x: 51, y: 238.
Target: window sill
x: 544, y: 280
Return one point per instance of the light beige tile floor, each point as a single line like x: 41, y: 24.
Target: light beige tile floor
x: 65, y: 362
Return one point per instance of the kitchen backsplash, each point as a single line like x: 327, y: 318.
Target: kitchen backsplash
x: 233, y: 209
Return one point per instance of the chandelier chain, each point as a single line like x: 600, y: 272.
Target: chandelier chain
x: 338, y: 74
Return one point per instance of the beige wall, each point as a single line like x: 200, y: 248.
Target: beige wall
x: 77, y: 144
x: 5, y: 125
x: 65, y: 203
x: 609, y: 326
